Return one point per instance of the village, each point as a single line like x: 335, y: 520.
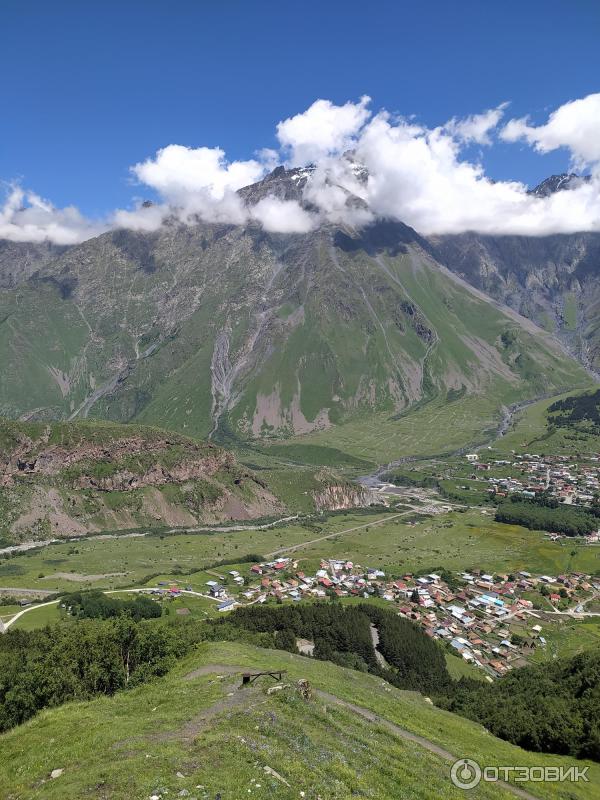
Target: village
x: 493, y: 622
x: 570, y: 480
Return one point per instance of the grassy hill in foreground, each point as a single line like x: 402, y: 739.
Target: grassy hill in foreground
x: 194, y: 732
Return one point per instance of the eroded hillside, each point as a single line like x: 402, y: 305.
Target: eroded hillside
x: 223, y: 331
x: 72, y: 479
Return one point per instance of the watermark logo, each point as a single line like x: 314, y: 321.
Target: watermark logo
x: 467, y: 774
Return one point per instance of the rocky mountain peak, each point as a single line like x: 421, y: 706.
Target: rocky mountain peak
x: 289, y: 183
x: 282, y: 183
x: 557, y: 183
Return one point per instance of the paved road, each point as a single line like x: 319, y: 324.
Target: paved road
x: 19, y: 614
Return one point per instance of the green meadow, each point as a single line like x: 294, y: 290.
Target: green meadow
x: 456, y: 540
x: 432, y: 428
x: 195, y: 733
x: 39, y: 617
x: 530, y: 432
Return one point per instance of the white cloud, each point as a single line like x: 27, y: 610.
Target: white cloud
x: 144, y: 217
x: 269, y: 158
x: 574, y: 125
x: 197, y: 182
x: 176, y: 172
x: 26, y: 217
x: 417, y: 175
x: 335, y: 188
x: 283, y: 216
x: 476, y: 127
x: 322, y: 130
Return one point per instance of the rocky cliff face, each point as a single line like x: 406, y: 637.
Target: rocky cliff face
x: 344, y: 496
x: 78, y: 478
x: 20, y: 260
x: 553, y: 280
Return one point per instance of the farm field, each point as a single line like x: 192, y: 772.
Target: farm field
x: 185, y: 606
x: 567, y: 638
x: 459, y: 668
x: 113, y: 562
x: 39, y: 617
x: 455, y: 540
x: 161, y: 728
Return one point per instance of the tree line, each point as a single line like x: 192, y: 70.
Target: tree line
x: 77, y: 661
x: 342, y: 635
x: 554, y: 707
x: 535, y: 516
x: 548, y: 708
x: 572, y: 410
x: 97, y: 605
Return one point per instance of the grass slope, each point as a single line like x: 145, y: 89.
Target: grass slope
x: 194, y: 731
x: 530, y: 431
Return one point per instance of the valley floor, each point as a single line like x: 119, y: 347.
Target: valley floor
x: 400, y: 543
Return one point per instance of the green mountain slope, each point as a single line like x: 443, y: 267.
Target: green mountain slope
x: 220, y: 330
x: 566, y: 424
x: 194, y: 734
x: 553, y: 280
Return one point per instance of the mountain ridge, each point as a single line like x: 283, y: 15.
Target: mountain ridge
x: 218, y: 330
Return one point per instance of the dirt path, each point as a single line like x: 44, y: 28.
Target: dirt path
x: 294, y: 547
x: 20, y: 591
x: 216, y: 669
x: 249, y: 698
x: 19, y: 614
x: 234, y: 698
x: 375, y: 639
x: 246, y: 700
x: 411, y: 737
x: 234, y: 528
x: 215, y: 574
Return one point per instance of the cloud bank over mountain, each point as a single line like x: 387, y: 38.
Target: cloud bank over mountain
x: 26, y: 217
x: 397, y: 169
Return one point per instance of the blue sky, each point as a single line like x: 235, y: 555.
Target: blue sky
x: 90, y: 88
